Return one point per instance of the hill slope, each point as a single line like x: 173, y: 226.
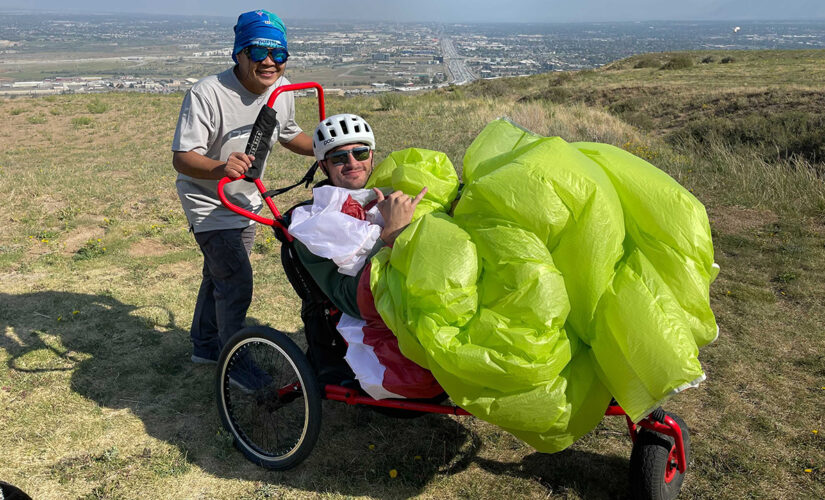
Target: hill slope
x: 99, y: 276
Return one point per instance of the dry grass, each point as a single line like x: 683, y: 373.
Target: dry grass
x: 98, y: 399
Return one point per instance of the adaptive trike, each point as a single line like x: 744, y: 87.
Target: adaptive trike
x: 269, y: 397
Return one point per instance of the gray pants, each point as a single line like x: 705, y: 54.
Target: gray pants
x: 226, y: 289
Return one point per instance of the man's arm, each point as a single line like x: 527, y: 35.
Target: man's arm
x: 198, y: 166
x: 300, y: 144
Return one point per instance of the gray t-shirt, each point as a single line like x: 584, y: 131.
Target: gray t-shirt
x: 215, y: 120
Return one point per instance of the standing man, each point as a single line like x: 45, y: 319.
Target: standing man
x: 215, y: 120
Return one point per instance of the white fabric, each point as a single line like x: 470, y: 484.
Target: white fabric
x: 362, y: 359
x: 347, y: 241
x: 328, y: 233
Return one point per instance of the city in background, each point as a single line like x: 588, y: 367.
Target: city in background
x: 66, y: 53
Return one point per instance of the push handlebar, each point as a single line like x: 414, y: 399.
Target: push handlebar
x: 258, y: 145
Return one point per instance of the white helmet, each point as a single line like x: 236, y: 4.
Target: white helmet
x: 338, y: 130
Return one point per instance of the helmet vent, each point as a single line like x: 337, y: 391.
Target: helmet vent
x: 320, y: 135
x: 366, y: 127
x: 357, y: 128
x: 344, y: 127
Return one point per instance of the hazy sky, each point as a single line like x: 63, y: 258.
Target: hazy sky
x: 455, y: 11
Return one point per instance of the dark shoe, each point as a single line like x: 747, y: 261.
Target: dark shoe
x: 335, y: 374
x: 249, y: 378
x: 204, y: 356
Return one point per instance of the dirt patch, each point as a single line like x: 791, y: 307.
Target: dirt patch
x: 740, y: 220
x: 149, y: 248
x: 79, y: 236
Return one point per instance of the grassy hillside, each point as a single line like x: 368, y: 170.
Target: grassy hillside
x: 98, y: 278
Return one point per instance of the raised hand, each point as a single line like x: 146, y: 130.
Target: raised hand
x: 397, y: 210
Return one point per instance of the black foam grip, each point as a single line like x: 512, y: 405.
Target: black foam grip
x: 258, y: 144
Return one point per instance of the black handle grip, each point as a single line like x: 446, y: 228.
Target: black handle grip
x: 258, y: 144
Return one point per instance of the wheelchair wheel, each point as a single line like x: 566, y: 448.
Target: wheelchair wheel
x: 653, y: 471
x: 268, y: 398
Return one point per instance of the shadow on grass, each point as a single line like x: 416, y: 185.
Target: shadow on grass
x: 580, y: 473
x: 126, y: 357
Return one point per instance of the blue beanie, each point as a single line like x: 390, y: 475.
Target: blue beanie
x: 258, y: 27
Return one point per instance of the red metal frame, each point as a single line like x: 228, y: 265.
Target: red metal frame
x: 353, y: 397
x: 669, y: 427
x: 276, y: 222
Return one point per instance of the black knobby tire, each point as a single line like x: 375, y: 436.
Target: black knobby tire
x: 653, y: 473
x: 268, y: 398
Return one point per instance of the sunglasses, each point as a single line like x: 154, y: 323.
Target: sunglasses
x: 340, y: 157
x: 258, y: 53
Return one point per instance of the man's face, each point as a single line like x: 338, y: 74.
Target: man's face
x: 257, y: 77
x: 347, y: 172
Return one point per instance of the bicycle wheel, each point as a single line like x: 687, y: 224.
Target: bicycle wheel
x: 268, y: 398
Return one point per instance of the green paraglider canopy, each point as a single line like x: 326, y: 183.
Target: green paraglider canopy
x: 567, y: 273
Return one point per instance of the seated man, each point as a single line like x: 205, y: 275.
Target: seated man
x: 343, y: 145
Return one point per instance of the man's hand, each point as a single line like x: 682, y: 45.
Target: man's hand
x: 199, y: 166
x: 237, y: 164
x: 397, y: 210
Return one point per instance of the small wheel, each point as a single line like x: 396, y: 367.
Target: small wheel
x: 653, y: 469
x: 268, y: 398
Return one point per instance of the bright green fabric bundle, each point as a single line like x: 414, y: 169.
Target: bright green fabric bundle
x: 412, y: 169
x: 569, y: 272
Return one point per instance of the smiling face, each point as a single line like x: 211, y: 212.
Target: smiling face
x: 257, y: 77
x: 351, y: 174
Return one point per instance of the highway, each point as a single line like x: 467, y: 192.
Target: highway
x: 460, y: 74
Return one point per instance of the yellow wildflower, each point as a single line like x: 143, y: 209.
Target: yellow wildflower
x: 393, y: 473
x: 372, y: 446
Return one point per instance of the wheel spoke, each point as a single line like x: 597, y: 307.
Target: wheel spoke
x: 270, y: 423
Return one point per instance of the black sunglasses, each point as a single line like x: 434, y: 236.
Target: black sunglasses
x: 361, y: 153
x: 258, y: 53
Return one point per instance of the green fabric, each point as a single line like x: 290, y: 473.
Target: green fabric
x: 568, y: 272
x: 412, y: 169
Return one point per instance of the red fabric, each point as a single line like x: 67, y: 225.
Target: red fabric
x: 401, y: 376
x: 353, y: 209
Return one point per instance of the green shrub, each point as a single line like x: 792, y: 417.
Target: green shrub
x: 785, y: 135
x: 17, y: 111
x: 681, y: 61
x: 708, y: 60
x: 494, y: 88
x: 390, y: 101
x: 560, y: 78
x: 557, y: 95
x: 647, y: 61
x: 82, y: 121
x: 97, y: 107
x: 640, y: 120
x: 36, y: 119
x: 726, y: 60
x: 630, y: 105
x: 91, y: 249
